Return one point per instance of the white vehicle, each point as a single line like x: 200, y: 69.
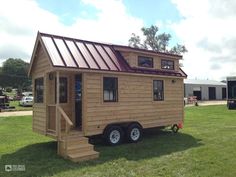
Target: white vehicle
x: 26, y: 101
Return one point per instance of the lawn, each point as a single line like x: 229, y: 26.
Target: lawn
x: 206, y: 147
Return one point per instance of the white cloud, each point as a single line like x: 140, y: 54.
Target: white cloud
x: 20, y: 20
x: 208, y: 31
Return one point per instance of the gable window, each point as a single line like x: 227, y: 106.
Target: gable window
x: 145, y: 62
x: 62, y: 90
x: 110, y: 89
x: 38, y: 85
x: 167, y: 64
x: 158, y: 90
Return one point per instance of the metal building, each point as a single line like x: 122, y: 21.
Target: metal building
x: 205, y: 89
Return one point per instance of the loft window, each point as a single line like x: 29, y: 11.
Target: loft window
x: 38, y: 90
x: 110, y: 89
x: 62, y: 89
x: 167, y: 64
x: 158, y: 90
x: 145, y: 62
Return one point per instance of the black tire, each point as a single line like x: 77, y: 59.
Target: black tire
x: 114, y: 135
x: 134, y: 133
x: 175, y: 128
x: 229, y: 106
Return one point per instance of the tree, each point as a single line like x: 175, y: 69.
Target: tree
x: 155, y: 42
x: 14, y: 74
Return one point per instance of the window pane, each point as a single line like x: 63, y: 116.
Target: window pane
x: 167, y: 64
x: 145, y: 62
x: 62, y: 88
x: 106, y: 95
x: 158, y: 92
x: 39, y: 90
x: 110, y: 87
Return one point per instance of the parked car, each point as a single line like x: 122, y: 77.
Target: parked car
x: 26, y: 101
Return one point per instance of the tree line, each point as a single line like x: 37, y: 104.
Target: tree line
x: 13, y: 73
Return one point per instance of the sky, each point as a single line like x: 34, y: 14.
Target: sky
x: 206, y: 27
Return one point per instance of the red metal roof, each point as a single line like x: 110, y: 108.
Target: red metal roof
x: 81, y: 54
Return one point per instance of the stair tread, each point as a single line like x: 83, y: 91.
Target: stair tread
x: 70, y: 138
x: 82, y: 154
x: 73, y: 134
x: 78, y: 146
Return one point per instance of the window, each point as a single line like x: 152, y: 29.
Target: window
x: 158, y: 91
x: 110, y: 89
x: 62, y: 89
x: 38, y: 90
x: 145, y: 62
x: 167, y: 64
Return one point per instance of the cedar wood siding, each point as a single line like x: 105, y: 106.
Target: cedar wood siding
x: 40, y: 66
x: 132, y: 59
x: 135, y: 102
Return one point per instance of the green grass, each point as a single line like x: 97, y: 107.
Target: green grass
x: 206, y: 147
x: 18, y: 107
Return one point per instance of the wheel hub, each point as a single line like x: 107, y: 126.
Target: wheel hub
x: 115, y: 136
x: 135, y: 134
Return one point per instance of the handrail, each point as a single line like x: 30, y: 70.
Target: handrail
x: 67, y: 119
x: 68, y: 125
x: 59, y: 114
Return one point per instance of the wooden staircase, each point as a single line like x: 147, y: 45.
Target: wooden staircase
x: 76, y: 147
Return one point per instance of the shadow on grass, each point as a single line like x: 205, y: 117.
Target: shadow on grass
x: 42, y: 160
x: 155, y: 143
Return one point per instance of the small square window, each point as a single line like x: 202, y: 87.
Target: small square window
x: 167, y: 64
x: 146, y: 62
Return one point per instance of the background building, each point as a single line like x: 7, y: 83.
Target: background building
x: 205, y: 89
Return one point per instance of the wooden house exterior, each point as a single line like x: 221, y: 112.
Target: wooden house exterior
x: 83, y: 88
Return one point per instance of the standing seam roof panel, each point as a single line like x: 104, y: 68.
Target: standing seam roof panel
x: 97, y: 57
x: 106, y: 57
x: 87, y: 55
x: 65, y: 53
x: 52, y: 51
x: 113, y: 57
x: 76, y: 54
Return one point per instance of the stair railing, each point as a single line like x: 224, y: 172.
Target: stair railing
x: 61, y: 114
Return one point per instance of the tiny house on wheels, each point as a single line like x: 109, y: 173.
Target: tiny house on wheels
x: 83, y: 88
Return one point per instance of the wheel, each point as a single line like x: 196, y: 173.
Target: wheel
x: 114, y: 135
x: 175, y: 128
x: 134, y: 133
x: 229, y: 106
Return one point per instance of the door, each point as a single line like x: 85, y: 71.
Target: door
x: 198, y: 94
x: 212, y: 93
x: 78, y: 101
x: 223, y: 93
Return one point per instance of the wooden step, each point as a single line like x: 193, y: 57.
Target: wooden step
x: 73, y: 134
x: 77, y: 141
x: 79, y: 148
x: 79, y: 157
